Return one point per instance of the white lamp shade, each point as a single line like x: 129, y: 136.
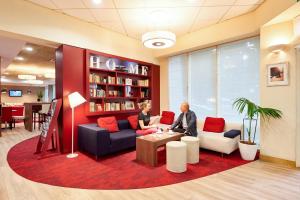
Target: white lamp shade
x: 75, y: 99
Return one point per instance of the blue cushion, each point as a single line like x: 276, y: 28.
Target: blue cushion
x: 232, y: 133
x: 122, y: 140
x: 123, y: 124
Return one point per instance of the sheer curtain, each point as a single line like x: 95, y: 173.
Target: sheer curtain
x: 178, y: 82
x: 203, y: 82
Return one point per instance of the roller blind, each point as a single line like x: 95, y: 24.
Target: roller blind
x: 178, y: 83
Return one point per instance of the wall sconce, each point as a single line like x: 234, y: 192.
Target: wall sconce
x: 277, y: 48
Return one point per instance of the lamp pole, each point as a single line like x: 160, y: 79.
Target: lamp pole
x: 72, y: 155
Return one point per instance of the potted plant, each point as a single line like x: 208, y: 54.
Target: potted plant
x: 248, y: 148
x: 40, y: 96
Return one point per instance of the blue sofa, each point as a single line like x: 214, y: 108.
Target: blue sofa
x: 99, y: 142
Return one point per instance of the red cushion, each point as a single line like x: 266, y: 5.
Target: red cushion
x: 167, y: 117
x: 133, y: 121
x: 109, y: 123
x: 212, y: 124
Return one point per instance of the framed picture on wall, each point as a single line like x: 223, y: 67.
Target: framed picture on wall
x: 278, y: 74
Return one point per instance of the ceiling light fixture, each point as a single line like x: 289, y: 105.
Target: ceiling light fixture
x: 97, y: 1
x: 28, y: 48
x: 20, y: 58
x: 26, y: 77
x: 158, y: 39
x: 36, y: 82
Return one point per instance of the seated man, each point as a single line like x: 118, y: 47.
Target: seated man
x: 186, y: 122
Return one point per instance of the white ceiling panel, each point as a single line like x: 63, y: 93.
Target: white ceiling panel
x: 219, y: 2
x: 80, y: 13
x: 44, y: 3
x: 106, y: 15
x: 211, y: 13
x: 61, y: 4
x: 103, y: 4
x: 237, y: 11
x: 134, y: 17
x: 203, y: 23
x: 115, y: 26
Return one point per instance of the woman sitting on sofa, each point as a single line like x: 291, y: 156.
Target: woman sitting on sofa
x: 144, y: 125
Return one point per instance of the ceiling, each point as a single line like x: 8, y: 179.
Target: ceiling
x: 135, y: 17
x: 39, y: 61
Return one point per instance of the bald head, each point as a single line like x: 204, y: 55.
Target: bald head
x: 184, y: 107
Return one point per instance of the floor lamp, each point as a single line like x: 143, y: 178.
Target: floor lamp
x: 75, y: 99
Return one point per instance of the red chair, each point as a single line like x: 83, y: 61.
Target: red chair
x: 7, y: 116
x: 18, y: 114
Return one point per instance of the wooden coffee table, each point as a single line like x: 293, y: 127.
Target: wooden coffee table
x: 146, y: 146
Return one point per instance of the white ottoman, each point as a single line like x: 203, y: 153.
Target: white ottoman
x: 192, y: 144
x: 176, y: 156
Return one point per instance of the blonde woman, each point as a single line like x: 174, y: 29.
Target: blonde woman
x: 144, y: 125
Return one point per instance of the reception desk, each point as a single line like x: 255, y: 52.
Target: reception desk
x: 29, y: 109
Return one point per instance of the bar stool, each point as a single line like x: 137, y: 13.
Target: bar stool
x: 192, y: 144
x: 176, y: 156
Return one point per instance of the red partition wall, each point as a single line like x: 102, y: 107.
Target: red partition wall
x: 71, y: 77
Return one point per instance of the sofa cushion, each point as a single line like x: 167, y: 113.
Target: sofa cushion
x: 122, y: 139
x: 232, y: 133
x: 109, y: 123
x: 167, y: 117
x: 123, y: 124
x: 215, y: 125
x: 133, y: 121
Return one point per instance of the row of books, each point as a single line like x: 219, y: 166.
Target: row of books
x: 114, y: 93
x: 144, y: 83
x: 95, y: 107
x: 95, y: 78
x: 112, y: 106
x: 111, y: 80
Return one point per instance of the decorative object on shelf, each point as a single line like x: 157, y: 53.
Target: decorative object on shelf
x: 278, y: 74
x: 133, y: 68
x: 248, y: 148
x: 40, y: 96
x: 144, y: 70
x: 121, y: 68
x: 29, y: 91
x: 75, y: 99
x: 158, y: 39
x: 110, y: 64
x: 128, y: 92
x: 129, y: 105
x: 94, y: 61
x: 128, y: 81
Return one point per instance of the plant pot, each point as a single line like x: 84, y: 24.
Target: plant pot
x: 248, y: 151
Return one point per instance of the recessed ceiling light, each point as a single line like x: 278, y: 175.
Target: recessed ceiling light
x: 26, y: 77
x: 28, y: 48
x: 37, y: 82
x: 19, y: 58
x: 97, y: 1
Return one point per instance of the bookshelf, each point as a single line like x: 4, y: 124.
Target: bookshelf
x: 116, y: 85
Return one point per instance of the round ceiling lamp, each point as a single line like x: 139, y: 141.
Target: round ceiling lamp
x: 158, y: 39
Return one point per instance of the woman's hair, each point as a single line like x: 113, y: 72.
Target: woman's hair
x: 143, y: 105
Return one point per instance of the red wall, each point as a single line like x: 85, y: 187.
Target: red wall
x: 71, y: 77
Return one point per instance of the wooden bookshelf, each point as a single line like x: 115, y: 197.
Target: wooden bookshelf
x: 109, y: 90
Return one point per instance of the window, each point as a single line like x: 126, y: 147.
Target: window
x: 203, y: 82
x: 211, y: 79
x: 178, y: 89
x: 238, y: 75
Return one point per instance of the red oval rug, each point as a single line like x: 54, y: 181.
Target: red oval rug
x: 118, y: 171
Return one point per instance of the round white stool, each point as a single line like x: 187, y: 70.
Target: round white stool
x: 192, y: 144
x: 176, y: 156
